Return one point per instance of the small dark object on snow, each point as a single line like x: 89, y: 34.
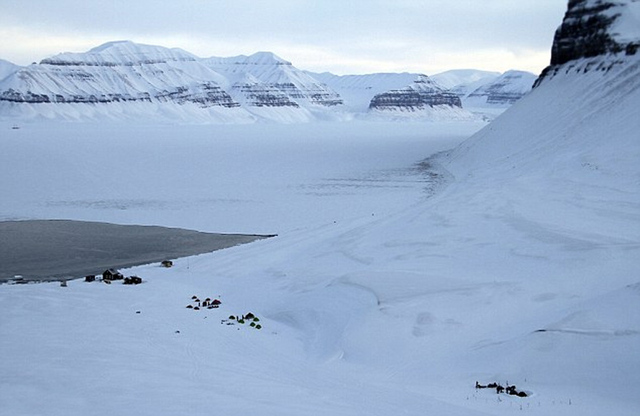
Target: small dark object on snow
x: 510, y: 390
x: 137, y: 311
x: 112, y: 274
x: 189, y: 306
x: 166, y: 263
x: 90, y: 278
x: 133, y: 280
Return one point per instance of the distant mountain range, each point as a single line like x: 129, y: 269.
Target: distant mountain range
x: 126, y: 80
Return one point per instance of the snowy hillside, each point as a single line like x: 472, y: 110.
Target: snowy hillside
x: 411, y: 265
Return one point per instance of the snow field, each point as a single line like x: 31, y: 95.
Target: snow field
x: 392, y: 287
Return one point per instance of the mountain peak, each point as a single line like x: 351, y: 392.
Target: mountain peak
x: 123, y: 52
x: 267, y: 58
x: 597, y: 27
x: 258, y: 58
x: 119, y: 44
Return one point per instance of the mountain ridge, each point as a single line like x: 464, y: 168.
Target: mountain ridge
x: 171, y: 83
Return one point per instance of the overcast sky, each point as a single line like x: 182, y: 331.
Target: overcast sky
x: 340, y: 36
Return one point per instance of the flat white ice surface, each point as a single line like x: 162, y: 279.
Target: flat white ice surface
x: 264, y: 178
x: 391, y: 289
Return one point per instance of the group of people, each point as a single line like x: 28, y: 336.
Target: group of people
x: 510, y: 390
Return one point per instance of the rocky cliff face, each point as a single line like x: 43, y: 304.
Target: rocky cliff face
x: 595, y: 28
x: 587, y: 31
x: 258, y: 94
x: 420, y: 94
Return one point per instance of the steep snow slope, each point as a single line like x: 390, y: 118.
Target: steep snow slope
x: 7, y: 68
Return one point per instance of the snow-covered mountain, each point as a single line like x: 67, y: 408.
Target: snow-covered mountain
x: 422, y: 92
x: 120, y: 80
x: 358, y: 90
x: 132, y: 80
x: 482, y: 90
x: 128, y: 80
x: 262, y: 71
x: 397, y: 95
x: 422, y: 96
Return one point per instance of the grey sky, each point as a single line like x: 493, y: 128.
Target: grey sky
x: 341, y: 36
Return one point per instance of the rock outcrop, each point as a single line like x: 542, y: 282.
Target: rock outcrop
x: 592, y: 29
x: 587, y: 31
